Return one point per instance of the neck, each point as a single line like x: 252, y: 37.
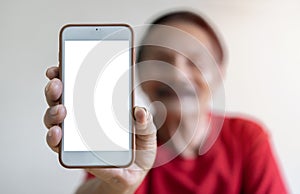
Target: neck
x: 186, y: 133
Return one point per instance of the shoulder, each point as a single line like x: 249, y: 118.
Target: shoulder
x: 243, y: 126
x: 243, y: 132
x: 260, y: 170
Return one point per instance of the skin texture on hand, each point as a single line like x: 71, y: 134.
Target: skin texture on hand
x: 108, y: 180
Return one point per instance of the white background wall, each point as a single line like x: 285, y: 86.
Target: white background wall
x: 262, y: 78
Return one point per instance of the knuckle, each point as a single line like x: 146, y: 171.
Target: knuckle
x: 54, y: 90
x: 48, y: 72
x: 52, y: 72
x: 57, y: 119
x: 46, y: 122
x: 54, y: 115
x: 48, y: 140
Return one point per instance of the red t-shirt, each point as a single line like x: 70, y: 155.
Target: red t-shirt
x: 240, y: 161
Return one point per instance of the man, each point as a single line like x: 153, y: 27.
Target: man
x: 193, y: 154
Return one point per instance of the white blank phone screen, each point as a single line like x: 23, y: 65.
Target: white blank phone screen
x: 113, y: 63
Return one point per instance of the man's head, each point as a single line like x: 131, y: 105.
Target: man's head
x: 186, y: 42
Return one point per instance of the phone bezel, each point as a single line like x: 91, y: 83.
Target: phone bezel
x: 87, y: 159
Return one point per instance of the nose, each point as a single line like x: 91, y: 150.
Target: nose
x: 182, y: 68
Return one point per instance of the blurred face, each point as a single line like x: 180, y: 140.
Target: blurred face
x: 178, y: 68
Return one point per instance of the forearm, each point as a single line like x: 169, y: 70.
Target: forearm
x: 95, y: 186
x: 91, y: 186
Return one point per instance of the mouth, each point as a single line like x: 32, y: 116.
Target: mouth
x: 166, y: 92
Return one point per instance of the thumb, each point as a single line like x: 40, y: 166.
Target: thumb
x: 145, y: 133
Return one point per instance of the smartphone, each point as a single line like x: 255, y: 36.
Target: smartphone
x: 96, y: 68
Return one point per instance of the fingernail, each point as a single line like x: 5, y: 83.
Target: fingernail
x: 141, y: 108
x: 134, y: 112
x: 146, y: 111
x: 53, y: 110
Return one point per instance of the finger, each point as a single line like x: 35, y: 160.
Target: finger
x: 143, y: 122
x: 145, y: 138
x: 54, y: 137
x: 53, y: 91
x: 52, y: 72
x: 55, y: 115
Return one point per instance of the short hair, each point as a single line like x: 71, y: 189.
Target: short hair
x: 193, y: 18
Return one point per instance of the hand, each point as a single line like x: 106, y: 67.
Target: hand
x: 109, y: 180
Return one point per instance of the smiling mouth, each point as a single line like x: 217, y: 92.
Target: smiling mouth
x: 167, y: 92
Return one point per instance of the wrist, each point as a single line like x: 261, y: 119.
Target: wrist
x: 108, y: 188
